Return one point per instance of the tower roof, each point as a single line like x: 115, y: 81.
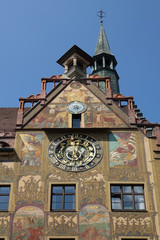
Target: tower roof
x: 77, y: 50
x: 102, y: 43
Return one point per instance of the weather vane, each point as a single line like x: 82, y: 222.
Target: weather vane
x: 101, y: 15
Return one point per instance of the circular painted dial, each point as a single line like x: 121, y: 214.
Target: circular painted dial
x: 75, y: 152
x: 76, y: 107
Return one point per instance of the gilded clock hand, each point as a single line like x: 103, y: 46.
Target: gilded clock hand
x: 75, y: 107
x: 75, y: 151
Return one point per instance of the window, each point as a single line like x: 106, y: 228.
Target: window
x: 99, y: 63
x: 63, y: 198
x: 133, y: 239
x: 61, y: 239
x: 4, y: 197
x: 127, y: 197
x: 76, y: 120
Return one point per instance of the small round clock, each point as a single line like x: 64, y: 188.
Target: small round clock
x: 75, y: 152
x: 76, y: 107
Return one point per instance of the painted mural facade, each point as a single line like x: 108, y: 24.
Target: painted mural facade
x: 32, y: 175
x: 54, y: 115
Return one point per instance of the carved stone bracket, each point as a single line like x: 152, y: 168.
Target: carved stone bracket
x: 133, y: 224
x: 62, y: 224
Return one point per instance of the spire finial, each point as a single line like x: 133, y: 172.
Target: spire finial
x: 101, y: 15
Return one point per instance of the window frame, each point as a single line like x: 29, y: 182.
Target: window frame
x: 4, y: 237
x: 134, y: 238
x: 76, y: 117
x: 63, y: 197
x: 121, y: 194
x: 62, y: 238
x: 6, y: 194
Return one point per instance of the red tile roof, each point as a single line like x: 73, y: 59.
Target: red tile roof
x: 8, y: 118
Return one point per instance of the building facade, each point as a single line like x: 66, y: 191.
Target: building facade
x: 82, y: 163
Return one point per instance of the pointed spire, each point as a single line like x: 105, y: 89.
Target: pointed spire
x: 104, y: 61
x: 102, y: 43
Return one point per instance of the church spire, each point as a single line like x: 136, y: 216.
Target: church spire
x: 102, y: 43
x: 104, y: 61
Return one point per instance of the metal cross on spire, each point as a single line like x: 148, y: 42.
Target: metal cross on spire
x: 101, y: 15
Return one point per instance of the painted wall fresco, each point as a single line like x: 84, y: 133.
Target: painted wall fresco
x: 94, y: 223
x: 28, y: 224
x: 31, y: 151
x: 55, y: 115
x: 98, y: 115
x: 122, y: 149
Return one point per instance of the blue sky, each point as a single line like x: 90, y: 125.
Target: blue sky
x: 34, y: 34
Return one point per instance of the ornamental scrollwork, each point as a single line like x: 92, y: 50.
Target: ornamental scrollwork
x: 125, y: 173
x: 82, y: 177
x: 26, y: 170
x: 4, y: 226
x: 92, y: 192
x: 30, y: 191
x: 133, y: 224
x: 6, y: 173
x: 62, y: 224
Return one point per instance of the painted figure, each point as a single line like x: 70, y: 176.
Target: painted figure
x: 31, y: 149
x: 122, y: 149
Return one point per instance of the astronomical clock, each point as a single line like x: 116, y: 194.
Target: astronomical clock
x: 75, y: 152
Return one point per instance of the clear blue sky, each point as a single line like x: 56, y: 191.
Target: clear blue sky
x: 34, y: 34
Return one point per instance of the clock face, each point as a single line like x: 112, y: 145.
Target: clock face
x: 76, y: 107
x: 75, y: 152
